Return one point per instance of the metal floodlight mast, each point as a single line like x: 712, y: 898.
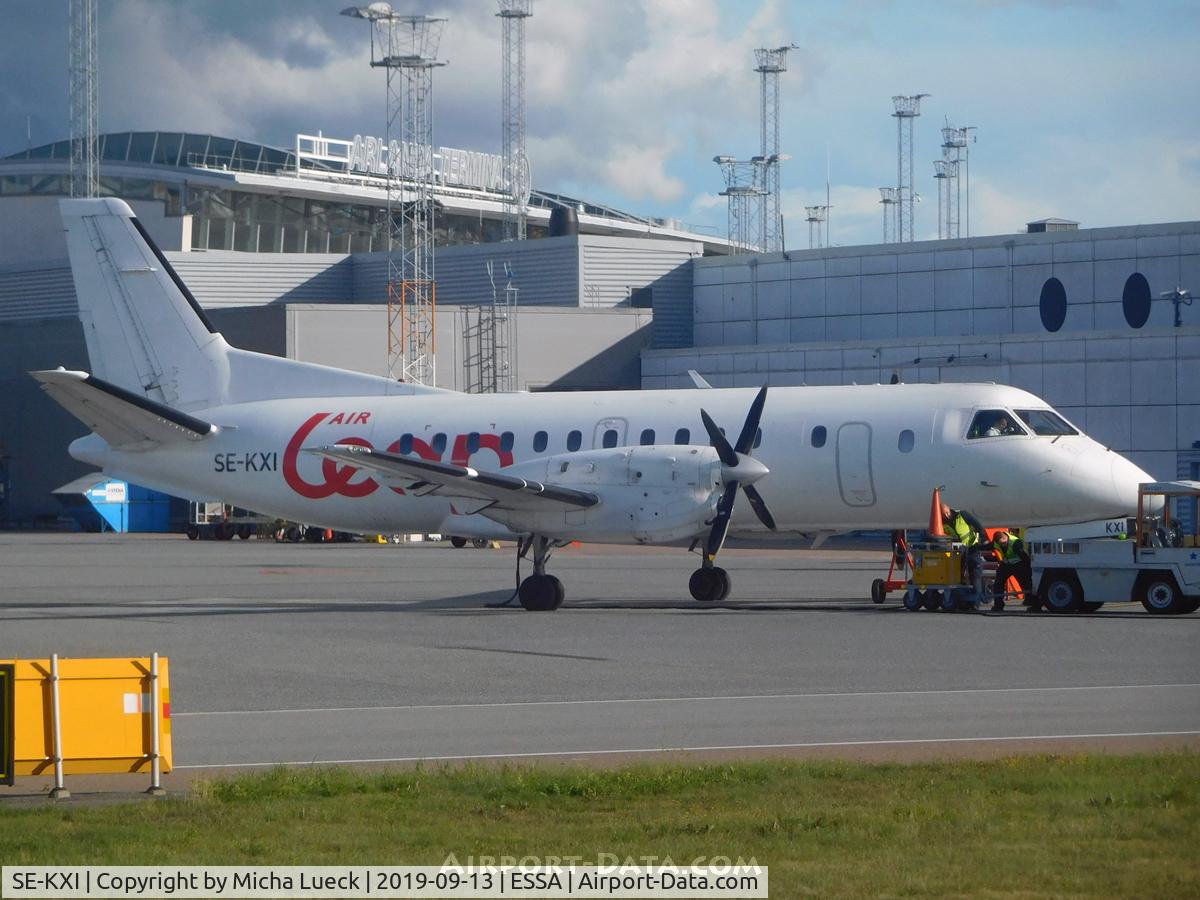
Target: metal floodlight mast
x: 406, y: 48
x: 942, y: 172
x: 771, y: 63
x: 84, y: 87
x: 744, y: 192
x: 815, y: 216
x: 906, y: 109
x: 513, y: 14
x: 887, y: 196
x: 955, y: 143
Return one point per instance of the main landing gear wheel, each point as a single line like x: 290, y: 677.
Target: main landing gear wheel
x: 541, y: 593
x: 709, y: 585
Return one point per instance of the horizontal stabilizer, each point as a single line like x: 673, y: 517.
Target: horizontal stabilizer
x: 122, y: 418
x: 449, y: 480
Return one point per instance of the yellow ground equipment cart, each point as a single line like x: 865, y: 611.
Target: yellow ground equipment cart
x: 939, y: 578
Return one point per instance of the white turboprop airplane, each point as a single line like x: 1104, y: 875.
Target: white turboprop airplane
x: 174, y: 407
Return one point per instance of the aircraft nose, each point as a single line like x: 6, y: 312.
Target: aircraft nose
x: 1125, y: 480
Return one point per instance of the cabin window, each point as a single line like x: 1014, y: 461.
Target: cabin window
x: 906, y: 440
x: 757, y: 439
x: 574, y: 441
x: 540, y: 439
x: 647, y: 437
x: 506, y: 442
x: 405, y: 446
x: 610, y: 438
x: 993, y: 423
x: 438, y: 444
x: 473, y: 442
x: 683, y: 436
x: 1045, y: 422
x: 818, y: 436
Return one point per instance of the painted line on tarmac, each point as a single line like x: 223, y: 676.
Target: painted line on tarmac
x: 712, y: 749
x: 609, y: 700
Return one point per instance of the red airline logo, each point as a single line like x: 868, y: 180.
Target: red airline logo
x: 340, y: 479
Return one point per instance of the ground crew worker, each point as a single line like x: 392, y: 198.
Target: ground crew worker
x: 965, y: 528
x: 1014, y: 562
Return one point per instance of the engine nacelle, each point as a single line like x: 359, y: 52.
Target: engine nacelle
x: 648, y: 495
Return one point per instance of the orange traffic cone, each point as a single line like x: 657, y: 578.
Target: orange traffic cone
x: 935, y: 515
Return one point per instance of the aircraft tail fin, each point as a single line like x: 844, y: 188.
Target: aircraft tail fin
x: 147, y: 334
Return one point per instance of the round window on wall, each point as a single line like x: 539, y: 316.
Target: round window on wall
x: 1053, y: 304
x: 1135, y: 300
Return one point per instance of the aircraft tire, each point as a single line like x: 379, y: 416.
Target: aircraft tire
x: 458, y: 542
x: 541, y: 593
x: 878, y: 594
x: 709, y: 585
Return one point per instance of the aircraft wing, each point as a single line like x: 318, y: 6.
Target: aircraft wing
x: 423, y: 476
x: 122, y: 418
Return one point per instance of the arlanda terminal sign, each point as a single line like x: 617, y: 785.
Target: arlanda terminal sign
x: 369, y: 155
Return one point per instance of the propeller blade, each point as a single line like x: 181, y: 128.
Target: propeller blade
x: 746, y: 440
x: 759, y: 506
x: 720, y: 526
x: 719, y: 442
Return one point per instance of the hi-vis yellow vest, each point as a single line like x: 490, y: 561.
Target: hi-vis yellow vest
x: 965, y: 533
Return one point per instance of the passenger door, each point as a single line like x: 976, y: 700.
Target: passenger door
x: 854, y: 464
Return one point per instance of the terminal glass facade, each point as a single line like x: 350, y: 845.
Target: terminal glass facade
x: 236, y: 219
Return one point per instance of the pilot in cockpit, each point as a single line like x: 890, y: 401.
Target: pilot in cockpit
x: 1000, y: 426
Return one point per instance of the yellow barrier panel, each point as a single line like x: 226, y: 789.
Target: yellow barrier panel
x: 105, y: 708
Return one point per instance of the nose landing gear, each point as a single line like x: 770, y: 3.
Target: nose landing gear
x: 709, y: 584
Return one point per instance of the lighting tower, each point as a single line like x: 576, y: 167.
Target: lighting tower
x: 406, y: 48
x: 954, y: 146
x: 84, y: 78
x: 945, y: 170
x: 888, y: 196
x: 907, y: 109
x: 816, y: 215
x: 771, y: 62
x: 744, y: 190
x: 513, y: 14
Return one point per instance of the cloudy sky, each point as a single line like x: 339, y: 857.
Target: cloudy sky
x: 1085, y: 109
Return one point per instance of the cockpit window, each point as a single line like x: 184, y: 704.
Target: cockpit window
x: 993, y: 423
x: 1045, y: 422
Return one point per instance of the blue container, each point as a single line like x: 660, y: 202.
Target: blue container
x: 125, y: 507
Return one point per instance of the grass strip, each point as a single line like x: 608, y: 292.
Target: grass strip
x: 1078, y: 825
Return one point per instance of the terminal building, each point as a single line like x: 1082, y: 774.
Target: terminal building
x: 284, y: 248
